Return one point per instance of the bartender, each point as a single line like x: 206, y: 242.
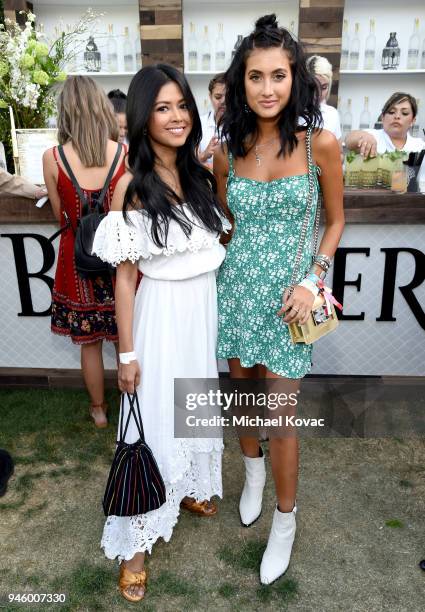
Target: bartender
x: 398, y: 116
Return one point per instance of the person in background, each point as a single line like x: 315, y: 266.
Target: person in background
x: 12, y: 185
x: 83, y: 309
x: 398, y: 116
x: 321, y: 69
x: 209, y: 121
x: 119, y: 102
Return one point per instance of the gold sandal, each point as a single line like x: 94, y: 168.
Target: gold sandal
x: 128, y: 578
x: 101, y: 422
x: 203, y: 508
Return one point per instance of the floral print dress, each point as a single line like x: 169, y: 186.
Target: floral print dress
x: 83, y: 309
x: 258, y: 267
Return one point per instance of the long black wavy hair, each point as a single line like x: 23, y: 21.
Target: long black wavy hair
x: 238, y: 121
x: 147, y: 189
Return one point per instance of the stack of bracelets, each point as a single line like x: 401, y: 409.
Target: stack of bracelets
x: 312, y: 280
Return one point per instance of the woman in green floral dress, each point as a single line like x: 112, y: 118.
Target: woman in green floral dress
x: 272, y: 106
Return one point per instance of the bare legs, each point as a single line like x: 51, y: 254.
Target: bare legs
x: 135, y: 565
x: 93, y: 374
x: 283, y: 451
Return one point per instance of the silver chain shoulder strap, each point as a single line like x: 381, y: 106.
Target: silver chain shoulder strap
x: 304, y: 228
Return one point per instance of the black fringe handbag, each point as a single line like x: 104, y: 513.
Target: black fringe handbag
x: 135, y: 484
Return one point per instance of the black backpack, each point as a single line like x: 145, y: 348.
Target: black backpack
x: 86, y: 264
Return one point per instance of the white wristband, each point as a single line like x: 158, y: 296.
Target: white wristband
x: 308, y: 284
x: 125, y: 358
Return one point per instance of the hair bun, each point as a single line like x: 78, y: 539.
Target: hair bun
x: 267, y: 22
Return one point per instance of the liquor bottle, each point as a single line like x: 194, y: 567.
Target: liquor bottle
x: 423, y: 54
x: 193, y: 49
x: 413, y: 49
x: 69, y: 51
x: 347, y: 120
x: 138, y: 50
x: 206, y: 52
x: 365, y: 116
x: 127, y: 53
x: 237, y: 45
x: 369, y: 54
x: 111, y: 50
x: 416, y: 128
x: 345, y: 45
x: 220, y: 50
x: 355, y: 49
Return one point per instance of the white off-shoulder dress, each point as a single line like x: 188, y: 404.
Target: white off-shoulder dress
x: 175, y: 333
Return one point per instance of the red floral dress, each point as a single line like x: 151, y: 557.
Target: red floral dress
x: 83, y: 309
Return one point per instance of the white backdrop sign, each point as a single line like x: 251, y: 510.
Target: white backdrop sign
x: 379, y: 268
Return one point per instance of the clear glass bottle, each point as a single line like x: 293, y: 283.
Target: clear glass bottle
x: 423, y: 54
x: 220, y: 50
x: 347, y: 120
x: 416, y: 128
x: 413, y: 49
x: 237, y: 45
x: 206, y: 52
x: 370, y: 48
x: 193, y: 49
x: 345, y: 46
x: 355, y: 49
x: 127, y: 52
x: 138, y: 50
x: 365, y: 116
x: 111, y: 50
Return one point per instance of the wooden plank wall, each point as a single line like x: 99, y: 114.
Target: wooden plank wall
x: 320, y: 29
x: 161, y: 30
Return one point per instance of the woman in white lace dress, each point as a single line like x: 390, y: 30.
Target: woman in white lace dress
x: 166, y: 222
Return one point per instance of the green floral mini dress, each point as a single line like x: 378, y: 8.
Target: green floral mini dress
x: 258, y: 266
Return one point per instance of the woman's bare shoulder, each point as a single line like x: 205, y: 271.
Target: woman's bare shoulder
x: 221, y: 159
x: 120, y: 190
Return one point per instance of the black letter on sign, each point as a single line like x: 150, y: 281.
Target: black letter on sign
x: 339, y: 281
x: 407, y: 290
x: 23, y: 274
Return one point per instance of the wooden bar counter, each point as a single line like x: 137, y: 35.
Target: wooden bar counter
x: 361, y: 206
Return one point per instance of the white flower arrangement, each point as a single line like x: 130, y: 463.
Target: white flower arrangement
x: 31, y: 67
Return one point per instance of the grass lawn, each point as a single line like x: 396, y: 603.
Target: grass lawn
x: 360, y: 523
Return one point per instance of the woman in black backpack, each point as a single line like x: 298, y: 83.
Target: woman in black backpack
x: 83, y: 308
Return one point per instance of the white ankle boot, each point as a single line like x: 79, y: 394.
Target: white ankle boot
x: 278, y: 552
x: 252, y: 494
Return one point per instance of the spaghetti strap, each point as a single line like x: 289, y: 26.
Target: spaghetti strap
x: 231, y: 169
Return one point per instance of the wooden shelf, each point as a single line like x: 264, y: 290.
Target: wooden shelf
x: 386, y: 72
x: 101, y: 74
x: 200, y: 73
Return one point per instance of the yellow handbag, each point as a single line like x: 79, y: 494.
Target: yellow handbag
x: 322, y: 319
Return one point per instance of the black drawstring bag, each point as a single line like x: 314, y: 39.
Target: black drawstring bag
x: 86, y: 264
x: 135, y: 484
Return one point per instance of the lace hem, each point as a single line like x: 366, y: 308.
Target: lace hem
x: 117, y: 240
x: 124, y: 536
